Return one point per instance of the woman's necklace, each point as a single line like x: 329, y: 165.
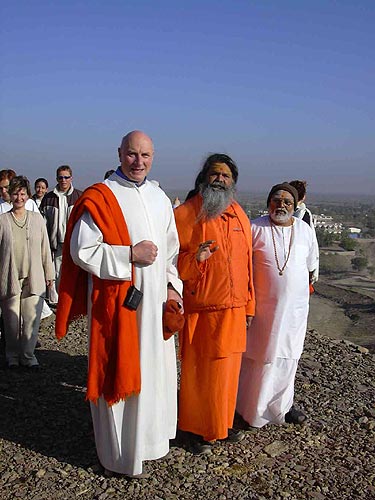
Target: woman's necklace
x: 21, y: 223
x: 281, y: 269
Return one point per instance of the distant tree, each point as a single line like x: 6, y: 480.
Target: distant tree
x: 359, y: 263
x: 347, y: 243
x: 370, y: 232
x: 325, y: 239
x: 333, y: 264
x: 370, y: 221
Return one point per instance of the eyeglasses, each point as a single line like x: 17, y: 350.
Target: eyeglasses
x: 64, y: 177
x: 287, y: 203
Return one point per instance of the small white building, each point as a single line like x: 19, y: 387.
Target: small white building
x: 327, y: 223
x: 354, y: 230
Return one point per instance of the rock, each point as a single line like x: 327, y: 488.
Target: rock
x: 275, y: 449
x: 363, y: 420
x: 41, y: 473
x: 316, y: 495
x: 362, y: 350
x: 362, y: 388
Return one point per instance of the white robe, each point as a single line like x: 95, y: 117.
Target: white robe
x: 139, y: 428
x: 279, y: 327
x: 282, y: 302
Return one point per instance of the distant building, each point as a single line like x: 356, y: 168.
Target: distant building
x: 354, y: 232
x: 326, y: 223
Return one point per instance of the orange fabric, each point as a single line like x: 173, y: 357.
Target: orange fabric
x: 219, y: 333
x: 218, y: 294
x: 208, y: 389
x: 173, y: 321
x: 114, y: 364
x: 226, y: 279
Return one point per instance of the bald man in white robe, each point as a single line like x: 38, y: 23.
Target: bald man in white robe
x: 139, y: 428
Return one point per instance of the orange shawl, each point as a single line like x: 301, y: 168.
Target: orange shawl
x: 114, y: 364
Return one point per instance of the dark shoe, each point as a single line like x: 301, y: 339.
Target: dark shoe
x: 33, y: 368
x: 240, y: 423
x: 201, y: 448
x: 235, y: 436
x: 198, y: 446
x: 295, y: 416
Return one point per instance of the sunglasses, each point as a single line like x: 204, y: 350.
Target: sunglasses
x: 63, y: 177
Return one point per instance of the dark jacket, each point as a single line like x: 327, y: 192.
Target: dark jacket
x: 50, y: 211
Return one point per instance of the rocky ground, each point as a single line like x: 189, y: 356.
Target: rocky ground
x: 47, y: 448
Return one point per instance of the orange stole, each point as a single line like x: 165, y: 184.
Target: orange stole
x: 114, y: 364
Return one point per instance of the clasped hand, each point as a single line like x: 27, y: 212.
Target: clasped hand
x: 144, y: 252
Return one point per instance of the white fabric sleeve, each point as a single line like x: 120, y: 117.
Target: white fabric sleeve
x: 88, y: 251
x: 315, y: 275
x: 31, y: 205
x: 313, y: 258
x: 173, y: 247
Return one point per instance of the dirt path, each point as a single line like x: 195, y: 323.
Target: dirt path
x: 328, y: 318
x: 342, y: 313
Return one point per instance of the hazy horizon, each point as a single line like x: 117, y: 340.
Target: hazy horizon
x: 285, y: 88
x: 312, y: 198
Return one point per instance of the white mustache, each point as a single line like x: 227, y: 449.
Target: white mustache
x: 280, y: 215
x: 218, y: 185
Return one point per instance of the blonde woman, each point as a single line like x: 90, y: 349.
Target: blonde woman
x: 26, y: 271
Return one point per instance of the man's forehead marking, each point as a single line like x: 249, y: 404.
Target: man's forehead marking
x: 283, y: 194
x: 220, y: 167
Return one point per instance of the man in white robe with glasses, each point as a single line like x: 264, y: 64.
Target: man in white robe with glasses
x: 284, y: 257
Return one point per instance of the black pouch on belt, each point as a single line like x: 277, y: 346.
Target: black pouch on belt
x: 133, y: 298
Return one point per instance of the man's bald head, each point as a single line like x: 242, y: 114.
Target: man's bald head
x: 136, y: 154
x: 134, y: 135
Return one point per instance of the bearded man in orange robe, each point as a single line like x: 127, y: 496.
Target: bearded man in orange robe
x: 215, y: 264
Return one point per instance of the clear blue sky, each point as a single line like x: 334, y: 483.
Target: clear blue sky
x: 285, y: 87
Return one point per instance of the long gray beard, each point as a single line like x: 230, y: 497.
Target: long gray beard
x: 215, y: 200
